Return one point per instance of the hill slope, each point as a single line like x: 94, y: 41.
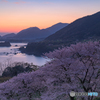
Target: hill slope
x: 87, y: 27
x: 28, y: 33
x: 56, y: 27
x: 35, y: 32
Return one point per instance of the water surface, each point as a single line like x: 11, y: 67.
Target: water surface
x: 11, y: 54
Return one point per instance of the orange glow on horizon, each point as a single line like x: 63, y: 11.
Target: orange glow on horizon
x: 16, y: 17
x: 17, y: 28
x: 16, y: 22
x: 15, y: 25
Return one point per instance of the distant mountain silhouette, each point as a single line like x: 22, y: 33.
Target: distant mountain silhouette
x: 36, y: 33
x: 56, y: 28
x: 9, y: 35
x: 83, y: 29
x: 28, y: 33
x: 2, y: 34
x: 87, y: 27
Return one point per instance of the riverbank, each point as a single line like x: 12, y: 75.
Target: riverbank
x: 39, y: 48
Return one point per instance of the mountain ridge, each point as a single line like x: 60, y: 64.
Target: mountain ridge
x: 83, y: 29
x: 80, y: 28
x: 34, y: 34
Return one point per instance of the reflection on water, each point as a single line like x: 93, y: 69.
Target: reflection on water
x: 14, y: 55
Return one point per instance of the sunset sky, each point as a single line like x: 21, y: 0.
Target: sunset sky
x: 16, y: 15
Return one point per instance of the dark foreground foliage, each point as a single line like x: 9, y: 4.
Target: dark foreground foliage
x: 18, y: 68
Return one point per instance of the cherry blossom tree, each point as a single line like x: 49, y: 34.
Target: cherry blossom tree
x: 81, y: 63
x: 75, y: 68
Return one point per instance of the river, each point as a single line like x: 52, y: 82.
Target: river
x: 11, y: 54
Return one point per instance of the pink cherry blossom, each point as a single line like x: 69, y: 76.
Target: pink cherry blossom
x: 75, y: 68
